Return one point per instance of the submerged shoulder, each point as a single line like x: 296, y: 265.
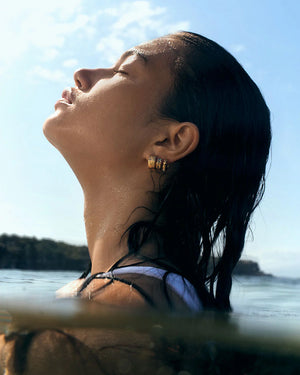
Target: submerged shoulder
x: 46, y: 352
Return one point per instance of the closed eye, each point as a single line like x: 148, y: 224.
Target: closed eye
x: 120, y: 71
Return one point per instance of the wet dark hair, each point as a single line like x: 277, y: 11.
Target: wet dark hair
x: 207, y: 203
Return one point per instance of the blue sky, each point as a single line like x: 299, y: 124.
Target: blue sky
x: 43, y: 43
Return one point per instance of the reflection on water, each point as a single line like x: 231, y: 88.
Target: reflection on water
x: 260, y: 337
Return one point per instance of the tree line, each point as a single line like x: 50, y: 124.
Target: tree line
x: 30, y: 253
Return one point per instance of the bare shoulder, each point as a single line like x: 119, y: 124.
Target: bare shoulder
x: 104, y: 291
x: 115, y: 293
x: 70, y: 289
x: 143, y: 293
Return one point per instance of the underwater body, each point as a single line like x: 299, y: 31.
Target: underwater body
x: 261, y: 336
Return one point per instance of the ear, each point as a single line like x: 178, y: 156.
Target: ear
x: 175, y: 141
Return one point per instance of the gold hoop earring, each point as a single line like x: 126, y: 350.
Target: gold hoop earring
x: 164, y: 166
x: 152, y: 162
x: 157, y: 163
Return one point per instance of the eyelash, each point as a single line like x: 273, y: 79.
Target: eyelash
x: 120, y: 71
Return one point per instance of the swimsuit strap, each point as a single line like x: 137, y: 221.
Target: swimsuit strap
x: 112, y: 277
x: 132, y: 285
x: 180, y: 285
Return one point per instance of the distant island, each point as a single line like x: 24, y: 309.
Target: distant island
x: 30, y: 253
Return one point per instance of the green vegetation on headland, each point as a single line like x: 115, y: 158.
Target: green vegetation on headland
x: 29, y: 253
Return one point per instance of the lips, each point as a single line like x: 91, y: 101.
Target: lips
x: 67, y: 95
x: 68, y: 98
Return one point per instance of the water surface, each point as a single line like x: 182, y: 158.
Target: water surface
x: 271, y: 304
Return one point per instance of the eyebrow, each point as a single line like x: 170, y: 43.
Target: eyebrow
x: 135, y: 52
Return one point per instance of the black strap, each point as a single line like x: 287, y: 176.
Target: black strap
x: 86, y: 283
x: 112, y: 278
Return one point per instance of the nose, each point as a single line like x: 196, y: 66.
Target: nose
x: 81, y: 78
x: 86, y: 78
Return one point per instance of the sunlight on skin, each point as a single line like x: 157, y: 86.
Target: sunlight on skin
x: 35, y: 52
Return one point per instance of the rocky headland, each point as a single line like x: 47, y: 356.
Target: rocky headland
x: 30, y: 253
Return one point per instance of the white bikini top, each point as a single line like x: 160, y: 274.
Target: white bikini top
x: 177, y: 283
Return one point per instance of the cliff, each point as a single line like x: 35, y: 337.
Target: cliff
x: 29, y: 253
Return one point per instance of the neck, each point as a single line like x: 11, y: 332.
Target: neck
x: 108, y: 212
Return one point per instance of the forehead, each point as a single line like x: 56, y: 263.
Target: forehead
x: 166, y: 53
x: 160, y: 56
x: 160, y: 48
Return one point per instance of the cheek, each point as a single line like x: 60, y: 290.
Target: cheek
x: 105, y: 126
x: 105, y: 135
x: 125, y: 106
x: 115, y: 118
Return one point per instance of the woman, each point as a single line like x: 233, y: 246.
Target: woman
x: 170, y: 147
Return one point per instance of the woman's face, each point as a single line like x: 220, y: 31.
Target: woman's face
x: 108, y: 119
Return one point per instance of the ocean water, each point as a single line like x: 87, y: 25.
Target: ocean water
x: 261, y: 336
x: 258, y: 302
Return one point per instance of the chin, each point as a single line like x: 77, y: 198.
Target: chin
x: 49, y: 129
x: 53, y: 128
x: 61, y: 136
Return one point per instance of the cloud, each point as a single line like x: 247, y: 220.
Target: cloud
x: 138, y: 12
x: 44, y: 26
x: 50, y: 54
x: 49, y: 32
x: 48, y: 74
x: 42, y: 31
x: 135, y: 22
x: 70, y: 63
x: 111, y: 47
